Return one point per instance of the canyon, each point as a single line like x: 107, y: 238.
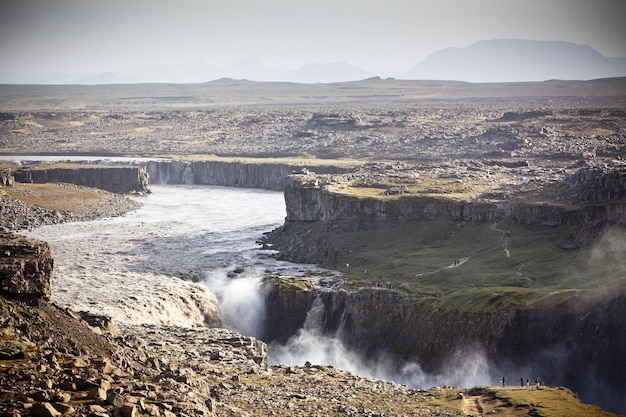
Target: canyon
x: 469, y: 229
x: 550, y: 337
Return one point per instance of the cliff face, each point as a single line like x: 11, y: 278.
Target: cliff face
x: 286, y: 311
x: 551, y: 341
x: 310, y: 204
x: 552, y: 344
x: 272, y: 176
x: 6, y: 179
x: 116, y: 179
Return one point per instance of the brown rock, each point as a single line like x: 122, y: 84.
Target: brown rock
x: 151, y: 410
x: 64, y: 409
x: 79, y: 362
x: 44, y: 409
x: 46, y: 383
x: 115, y: 399
x: 39, y: 395
x: 98, y: 394
x: 102, y: 364
x: 97, y: 410
x: 61, y: 397
x: 130, y: 410
x: 68, y: 385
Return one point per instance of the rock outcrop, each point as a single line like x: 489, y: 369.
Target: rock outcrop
x: 318, y: 205
x: 599, y: 183
x: 25, y: 267
x: 306, y: 203
x: 16, y: 214
x: 6, y: 178
x: 116, y: 179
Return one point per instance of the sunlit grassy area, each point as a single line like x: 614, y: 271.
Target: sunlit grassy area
x: 549, y: 402
x: 472, y: 265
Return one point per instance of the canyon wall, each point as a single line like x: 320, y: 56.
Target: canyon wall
x: 272, y: 176
x: 316, y: 209
x: 320, y: 203
x: 113, y: 178
x: 6, y: 178
x: 554, y: 344
x: 554, y: 341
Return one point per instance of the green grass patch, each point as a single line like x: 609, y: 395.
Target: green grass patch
x: 288, y: 283
x: 473, y: 266
x: 11, y: 347
x: 550, y: 402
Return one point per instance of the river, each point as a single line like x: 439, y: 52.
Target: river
x: 189, y: 257
x: 156, y: 264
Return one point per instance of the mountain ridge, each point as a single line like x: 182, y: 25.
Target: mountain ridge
x: 511, y: 60
x: 496, y: 60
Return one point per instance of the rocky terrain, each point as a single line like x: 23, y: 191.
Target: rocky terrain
x: 113, y: 178
x: 562, y: 131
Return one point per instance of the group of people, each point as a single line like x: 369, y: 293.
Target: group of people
x: 521, y: 380
x: 386, y: 285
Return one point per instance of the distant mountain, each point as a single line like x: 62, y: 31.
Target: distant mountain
x: 504, y: 60
x: 327, y: 73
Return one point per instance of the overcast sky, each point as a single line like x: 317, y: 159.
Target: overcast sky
x: 92, y: 36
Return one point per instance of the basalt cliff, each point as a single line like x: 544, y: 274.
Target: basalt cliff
x: 549, y: 332
x: 318, y: 205
x: 113, y: 178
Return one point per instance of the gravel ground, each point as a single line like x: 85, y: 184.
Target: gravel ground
x: 16, y: 214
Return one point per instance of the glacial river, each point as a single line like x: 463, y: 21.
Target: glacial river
x: 189, y: 257
x: 156, y: 264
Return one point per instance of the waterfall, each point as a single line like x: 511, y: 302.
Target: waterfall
x: 241, y: 298
x: 312, y: 344
x: 188, y: 175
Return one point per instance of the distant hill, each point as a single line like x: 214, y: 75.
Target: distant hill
x: 327, y: 73
x: 505, y: 60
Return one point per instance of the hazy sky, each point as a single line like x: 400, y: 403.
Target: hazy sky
x: 112, y: 35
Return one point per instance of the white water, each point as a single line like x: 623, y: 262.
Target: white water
x: 132, y: 268
x: 465, y: 369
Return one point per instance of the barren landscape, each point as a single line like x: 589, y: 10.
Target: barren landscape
x: 470, y: 213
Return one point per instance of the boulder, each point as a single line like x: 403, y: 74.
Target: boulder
x: 6, y: 179
x: 44, y: 409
